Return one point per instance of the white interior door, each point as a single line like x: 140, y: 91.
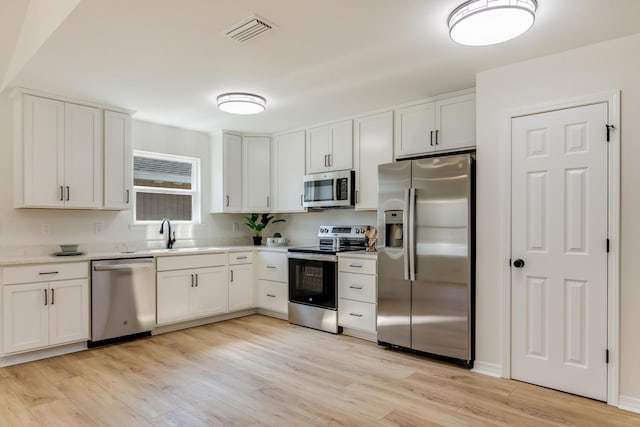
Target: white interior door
x: 559, y: 232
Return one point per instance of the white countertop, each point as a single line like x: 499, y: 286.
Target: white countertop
x: 89, y: 256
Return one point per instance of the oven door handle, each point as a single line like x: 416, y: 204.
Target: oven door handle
x: 312, y: 257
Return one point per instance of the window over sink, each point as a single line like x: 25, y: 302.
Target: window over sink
x: 165, y: 186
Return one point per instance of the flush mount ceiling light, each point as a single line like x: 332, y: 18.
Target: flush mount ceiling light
x: 487, y: 22
x: 241, y: 103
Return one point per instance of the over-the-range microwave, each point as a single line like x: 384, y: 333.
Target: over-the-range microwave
x: 330, y: 190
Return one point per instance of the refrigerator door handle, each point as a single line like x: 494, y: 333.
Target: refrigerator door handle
x: 405, y: 245
x: 412, y: 234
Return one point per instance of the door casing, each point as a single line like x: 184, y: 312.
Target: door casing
x: 613, y: 228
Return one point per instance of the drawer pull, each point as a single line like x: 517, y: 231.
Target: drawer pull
x: 48, y: 272
x: 355, y: 314
x: 355, y: 287
x: 241, y: 257
x: 271, y: 295
x: 271, y: 266
x: 355, y: 265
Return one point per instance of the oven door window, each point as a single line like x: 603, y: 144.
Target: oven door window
x: 318, y: 190
x: 313, y: 282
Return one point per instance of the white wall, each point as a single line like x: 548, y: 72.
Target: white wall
x: 593, y: 69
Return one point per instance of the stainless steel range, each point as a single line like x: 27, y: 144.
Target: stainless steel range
x: 313, y: 276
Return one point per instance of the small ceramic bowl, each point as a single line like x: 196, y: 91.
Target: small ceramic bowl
x: 69, y: 248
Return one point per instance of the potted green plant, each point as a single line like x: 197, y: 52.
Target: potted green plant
x: 257, y: 222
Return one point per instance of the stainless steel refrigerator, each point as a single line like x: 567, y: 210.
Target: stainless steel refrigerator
x: 426, y: 256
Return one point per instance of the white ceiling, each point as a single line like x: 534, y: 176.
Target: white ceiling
x: 328, y: 59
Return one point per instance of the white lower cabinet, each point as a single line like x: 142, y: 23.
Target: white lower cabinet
x: 273, y: 281
x: 357, y: 292
x: 192, y: 288
x: 273, y: 296
x: 43, y: 314
x: 241, y: 295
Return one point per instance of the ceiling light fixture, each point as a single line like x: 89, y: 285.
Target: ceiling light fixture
x: 487, y: 22
x: 241, y: 103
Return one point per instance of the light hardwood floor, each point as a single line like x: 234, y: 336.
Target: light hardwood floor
x: 260, y: 371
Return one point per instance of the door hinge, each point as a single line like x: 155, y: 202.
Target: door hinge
x: 607, y: 356
x: 607, y: 245
x: 609, y: 128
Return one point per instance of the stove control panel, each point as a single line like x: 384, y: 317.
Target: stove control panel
x: 350, y: 231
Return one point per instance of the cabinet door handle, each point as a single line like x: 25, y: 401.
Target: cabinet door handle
x: 431, y: 138
x: 193, y: 280
x: 196, y: 280
x: 271, y: 295
x: 325, y: 160
x: 45, y: 297
x: 329, y: 156
x: 53, y: 296
x: 61, y: 193
x: 127, y: 191
x: 436, y: 136
x: 68, y: 193
x: 231, y: 281
x: 301, y: 200
x: 357, y: 196
x: 355, y: 314
x: 227, y: 200
x: 355, y: 287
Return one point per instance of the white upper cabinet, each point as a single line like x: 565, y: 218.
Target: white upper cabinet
x: 256, y: 175
x: 61, y: 150
x: 373, y: 146
x: 287, y: 172
x: 83, y: 178
x: 117, y: 160
x: 226, y: 173
x: 446, y: 124
x: 330, y: 148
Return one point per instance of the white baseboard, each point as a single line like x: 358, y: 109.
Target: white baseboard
x: 270, y: 313
x: 199, y: 322
x: 369, y: 336
x: 489, y: 369
x: 42, y: 354
x: 631, y: 404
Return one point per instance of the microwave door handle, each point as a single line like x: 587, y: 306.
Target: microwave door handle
x: 412, y: 234
x: 405, y: 245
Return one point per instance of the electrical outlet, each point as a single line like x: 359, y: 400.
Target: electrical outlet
x: 46, y: 228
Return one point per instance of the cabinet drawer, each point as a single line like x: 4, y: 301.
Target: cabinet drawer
x: 359, y: 287
x: 357, y: 315
x: 273, y: 296
x: 240, y: 258
x: 273, y: 266
x: 357, y: 265
x: 181, y: 262
x: 45, y: 272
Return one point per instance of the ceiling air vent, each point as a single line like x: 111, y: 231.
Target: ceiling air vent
x: 249, y: 29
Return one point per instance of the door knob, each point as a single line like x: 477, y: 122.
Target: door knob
x: 519, y: 263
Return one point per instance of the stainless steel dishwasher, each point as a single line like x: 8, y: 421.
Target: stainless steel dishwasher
x: 123, y: 299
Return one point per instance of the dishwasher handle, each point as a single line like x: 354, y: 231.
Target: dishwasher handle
x: 127, y: 266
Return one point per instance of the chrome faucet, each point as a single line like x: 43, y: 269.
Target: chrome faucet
x: 170, y: 240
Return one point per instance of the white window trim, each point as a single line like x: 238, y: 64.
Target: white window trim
x: 195, y: 191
